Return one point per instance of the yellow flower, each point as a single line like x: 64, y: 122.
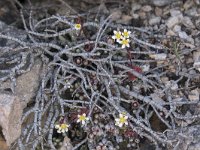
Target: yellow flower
x: 121, y: 120
x: 62, y: 128
x: 82, y: 118
x: 77, y: 26
x: 124, y: 42
x: 126, y: 33
x: 117, y: 35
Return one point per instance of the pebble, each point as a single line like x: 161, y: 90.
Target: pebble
x: 135, y: 7
x: 161, y: 56
x: 194, y: 95
x: 161, y: 2
x: 147, y: 8
x: 191, y: 12
x: 187, y: 22
x: 154, y: 20
x: 158, y: 11
x: 172, y: 21
x: 177, y: 28
x: 175, y: 13
x: 184, y: 35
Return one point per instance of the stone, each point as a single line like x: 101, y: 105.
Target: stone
x: 147, y: 8
x: 135, y: 7
x: 177, y: 28
x: 161, y: 2
x: 174, y: 13
x: 184, y: 35
x: 154, y: 20
x: 161, y: 56
x: 188, y: 4
x: 172, y: 21
x: 27, y: 90
x: 187, y: 22
x: 116, y: 14
x: 10, y: 117
x: 194, y: 95
x: 125, y: 19
x: 158, y: 11
x: 192, y: 12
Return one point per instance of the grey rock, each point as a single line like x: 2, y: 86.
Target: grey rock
x: 172, y: 21
x: 10, y: 117
x: 177, y: 28
x: 191, y: 12
x: 184, y: 35
x: 147, y: 8
x: 154, y: 20
x: 175, y: 13
x: 187, y: 22
x: 135, y: 7
x: 162, y: 2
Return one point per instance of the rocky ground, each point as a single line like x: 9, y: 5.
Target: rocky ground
x: 165, y: 51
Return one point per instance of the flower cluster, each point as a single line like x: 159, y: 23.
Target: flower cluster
x: 63, y: 127
x: 122, y: 37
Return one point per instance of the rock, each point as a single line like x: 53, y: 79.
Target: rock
x: 135, y: 16
x: 174, y: 13
x: 192, y: 12
x: 196, y: 65
x: 154, y: 20
x: 177, y: 28
x: 10, y: 117
x: 172, y: 21
x: 135, y: 6
x: 187, y: 22
x: 142, y: 15
x: 116, y: 14
x: 27, y: 91
x: 147, y: 8
x: 188, y: 4
x: 3, y: 144
x: 125, y: 19
x: 158, y: 11
x: 197, y: 23
x: 161, y: 56
x: 184, y: 35
x: 8, y: 11
x: 66, y: 145
x: 194, y: 95
x: 161, y: 2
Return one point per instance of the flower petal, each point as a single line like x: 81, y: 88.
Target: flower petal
x: 120, y: 125
x: 78, y: 120
x: 113, y: 37
x: 121, y: 115
x: 83, y: 122
x: 57, y: 126
x: 115, y: 32
x: 58, y: 131
x: 128, y: 45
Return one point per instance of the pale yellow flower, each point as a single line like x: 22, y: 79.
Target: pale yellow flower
x: 117, y: 35
x: 126, y: 33
x: 124, y: 42
x: 82, y: 118
x: 77, y: 26
x: 62, y: 128
x: 121, y: 120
